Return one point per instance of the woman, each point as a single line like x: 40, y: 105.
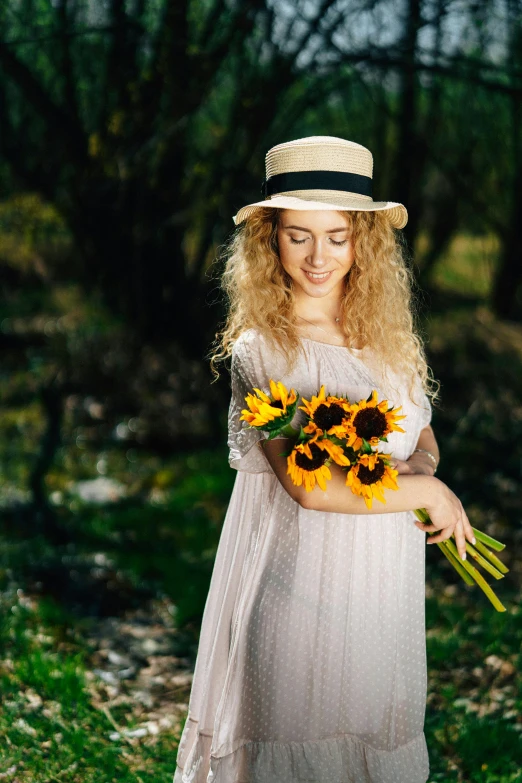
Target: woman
x: 312, y: 660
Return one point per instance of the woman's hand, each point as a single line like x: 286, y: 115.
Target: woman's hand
x: 448, y: 516
x: 417, y: 463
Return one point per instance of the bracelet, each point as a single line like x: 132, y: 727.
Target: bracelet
x: 430, y: 455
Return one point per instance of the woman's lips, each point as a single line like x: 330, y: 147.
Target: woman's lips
x: 317, y: 277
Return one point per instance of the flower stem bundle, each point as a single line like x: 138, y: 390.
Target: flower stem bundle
x: 348, y: 434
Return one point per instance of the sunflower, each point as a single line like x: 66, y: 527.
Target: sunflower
x: 309, y: 462
x: 326, y: 414
x: 307, y: 465
x: 334, y: 451
x: 272, y: 411
x: 370, y: 475
x: 371, y: 421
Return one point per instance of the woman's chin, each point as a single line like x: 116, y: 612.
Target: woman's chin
x: 318, y: 290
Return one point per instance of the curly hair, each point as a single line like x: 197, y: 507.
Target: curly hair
x: 378, y: 308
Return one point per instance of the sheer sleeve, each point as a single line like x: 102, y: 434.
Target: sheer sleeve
x: 253, y: 364
x: 426, y: 412
x: 425, y: 406
x: 418, y: 405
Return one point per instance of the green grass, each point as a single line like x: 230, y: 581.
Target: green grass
x: 50, y: 730
x: 473, y: 716
x: 58, y: 717
x: 53, y: 725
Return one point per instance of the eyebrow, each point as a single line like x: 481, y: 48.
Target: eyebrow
x: 330, y: 231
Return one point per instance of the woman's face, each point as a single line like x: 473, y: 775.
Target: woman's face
x: 315, y: 249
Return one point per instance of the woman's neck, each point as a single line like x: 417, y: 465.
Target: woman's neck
x: 321, y: 324
x: 323, y: 311
x: 320, y: 330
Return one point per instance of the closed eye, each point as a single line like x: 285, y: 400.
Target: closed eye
x: 300, y: 241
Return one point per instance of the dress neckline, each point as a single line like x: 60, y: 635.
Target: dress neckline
x: 332, y: 345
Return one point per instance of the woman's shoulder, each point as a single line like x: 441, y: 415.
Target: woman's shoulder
x: 253, y: 349
x: 247, y: 337
x: 250, y: 342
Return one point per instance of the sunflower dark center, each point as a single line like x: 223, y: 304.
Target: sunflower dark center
x: 319, y: 457
x: 370, y: 423
x: 368, y: 476
x: 327, y: 416
x: 276, y: 404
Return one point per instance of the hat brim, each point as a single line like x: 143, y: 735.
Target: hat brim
x: 398, y: 214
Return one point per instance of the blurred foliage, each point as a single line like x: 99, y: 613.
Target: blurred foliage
x: 142, y: 128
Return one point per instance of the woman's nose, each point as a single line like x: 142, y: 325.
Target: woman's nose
x: 317, y: 256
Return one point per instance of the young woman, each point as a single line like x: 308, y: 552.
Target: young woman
x: 312, y: 660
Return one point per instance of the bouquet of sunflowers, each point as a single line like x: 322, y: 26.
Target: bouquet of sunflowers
x: 348, y: 434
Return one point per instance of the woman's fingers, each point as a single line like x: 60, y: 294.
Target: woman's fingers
x: 470, y: 535
x: 447, y: 532
x: 401, y: 466
x: 445, y: 527
x: 442, y: 535
x: 460, y: 539
x: 427, y: 528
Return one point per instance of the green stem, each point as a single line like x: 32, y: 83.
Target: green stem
x: 492, y: 557
x: 464, y: 567
x: 289, y: 431
x: 483, y: 562
x: 456, y: 563
x: 479, y: 579
x: 492, y: 542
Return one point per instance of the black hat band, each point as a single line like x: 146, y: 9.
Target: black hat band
x: 317, y: 180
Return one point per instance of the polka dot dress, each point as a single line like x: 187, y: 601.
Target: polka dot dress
x: 311, y: 663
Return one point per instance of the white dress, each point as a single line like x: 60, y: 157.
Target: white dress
x: 311, y: 662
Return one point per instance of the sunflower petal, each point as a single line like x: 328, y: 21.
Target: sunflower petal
x: 274, y: 391
x: 321, y: 480
x: 368, y: 500
x: 262, y: 394
x: 377, y: 491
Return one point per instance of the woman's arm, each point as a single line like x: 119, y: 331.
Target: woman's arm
x: 415, y: 491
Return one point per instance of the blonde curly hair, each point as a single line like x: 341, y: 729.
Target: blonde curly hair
x: 378, y: 307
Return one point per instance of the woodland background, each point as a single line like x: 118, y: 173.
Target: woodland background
x: 130, y: 133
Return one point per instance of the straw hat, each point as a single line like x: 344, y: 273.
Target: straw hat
x: 321, y: 172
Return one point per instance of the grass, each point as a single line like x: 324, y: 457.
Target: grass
x: 50, y: 726
x: 126, y: 583
x: 473, y: 727
x: 60, y: 722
